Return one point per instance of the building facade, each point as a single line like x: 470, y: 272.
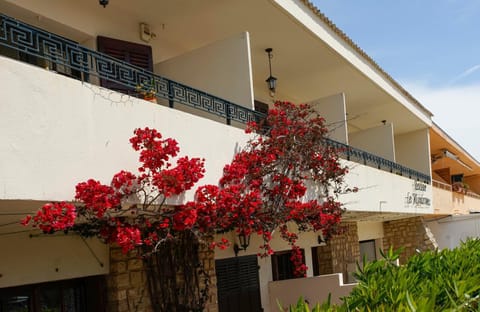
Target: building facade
x: 456, y: 189
x: 69, y: 70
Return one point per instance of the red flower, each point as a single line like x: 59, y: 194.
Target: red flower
x: 53, y: 217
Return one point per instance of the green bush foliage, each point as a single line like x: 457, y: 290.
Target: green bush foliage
x: 447, y: 280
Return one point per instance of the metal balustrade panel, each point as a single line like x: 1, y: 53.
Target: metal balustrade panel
x: 357, y: 155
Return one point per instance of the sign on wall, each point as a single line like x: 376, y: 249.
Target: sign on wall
x: 417, y: 197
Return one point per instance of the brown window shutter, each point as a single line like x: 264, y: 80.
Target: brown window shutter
x: 136, y: 54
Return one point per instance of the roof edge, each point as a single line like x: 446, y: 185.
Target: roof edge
x: 362, y: 53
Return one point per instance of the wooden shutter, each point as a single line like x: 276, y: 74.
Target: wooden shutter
x: 238, y: 285
x: 136, y: 54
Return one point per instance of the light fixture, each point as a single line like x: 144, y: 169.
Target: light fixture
x: 271, y: 81
x: 146, y: 34
x: 103, y: 2
x: 244, y: 242
x: 321, y: 239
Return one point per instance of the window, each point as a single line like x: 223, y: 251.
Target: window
x: 368, y: 250
x: 457, y: 178
x: 282, y: 266
x: 77, y: 295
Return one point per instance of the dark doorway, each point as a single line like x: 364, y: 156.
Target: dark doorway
x: 238, y: 284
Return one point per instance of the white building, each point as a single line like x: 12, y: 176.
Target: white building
x: 66, y: 117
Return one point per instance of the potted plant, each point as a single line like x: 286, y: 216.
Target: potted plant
x: 147, y: 91
x: 460, y: 187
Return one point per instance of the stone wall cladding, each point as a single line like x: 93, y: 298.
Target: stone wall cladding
x: 341, y: 252
x: 127, y: 285
x: 410, y: 234
x: 207, y: 257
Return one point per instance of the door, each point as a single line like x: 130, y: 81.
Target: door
x: 238, y: 284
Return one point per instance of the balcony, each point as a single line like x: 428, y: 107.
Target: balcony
x: 82, y: 63
x: 456, y: 201
x: 68, y: 58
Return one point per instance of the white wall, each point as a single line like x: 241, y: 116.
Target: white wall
x: 369, y: 230
x: 312, y: 289
x: 381, y: 191
x: 222, y: 68
x: 451, y: 231
x: 378, y: 141
x: 27, y: 259
x: 333, y: 109
x: 413, y: 150
x: 57, y: 132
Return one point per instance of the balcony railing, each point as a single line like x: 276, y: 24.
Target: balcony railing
x: 448, y: 187
x: 65, y: 53
x: 82, y: 63
x: 442, y: 185
x: 367, y: 159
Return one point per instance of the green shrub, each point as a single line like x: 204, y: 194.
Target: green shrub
x: 302, y: 306
x: 447, y: 280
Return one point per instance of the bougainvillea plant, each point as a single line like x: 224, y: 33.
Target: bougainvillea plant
x: 131, y: 211
x: 286, y: 179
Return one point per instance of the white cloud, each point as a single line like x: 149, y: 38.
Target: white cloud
x: 456, y: 110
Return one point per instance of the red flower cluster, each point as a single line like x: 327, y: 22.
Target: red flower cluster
x: 124, y: 182
x: 128, y: 237
x: 97, y: 197
x: 106, y: 212
x: 181, y: 178
x: 53, y: 217
x: 297, y: 261
x: 154, y: 152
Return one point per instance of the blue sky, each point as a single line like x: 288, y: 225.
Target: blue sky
x: 432, y: 48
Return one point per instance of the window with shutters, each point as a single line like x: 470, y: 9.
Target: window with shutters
x: 136, y: 54
x: 238, y: 285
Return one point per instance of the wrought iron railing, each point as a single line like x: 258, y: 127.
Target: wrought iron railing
x: 357, y: 155
x: 63, y: 52
x: 83, y: 63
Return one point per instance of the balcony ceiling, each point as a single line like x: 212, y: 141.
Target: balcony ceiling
x: 464, y: 164
x: 369, y: 216
x: 306, y: 68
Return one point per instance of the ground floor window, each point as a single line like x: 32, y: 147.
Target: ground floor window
x: 77, y: 295
x: 282, y: 266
